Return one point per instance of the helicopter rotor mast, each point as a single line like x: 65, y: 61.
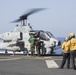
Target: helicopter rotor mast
x: 24, y: 16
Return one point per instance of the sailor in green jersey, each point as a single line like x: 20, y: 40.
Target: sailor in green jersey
x: 32, y: 44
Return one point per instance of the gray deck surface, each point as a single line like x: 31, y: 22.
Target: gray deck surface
x: 27, y: 65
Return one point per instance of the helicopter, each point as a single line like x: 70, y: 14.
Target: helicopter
x: 17, y: 40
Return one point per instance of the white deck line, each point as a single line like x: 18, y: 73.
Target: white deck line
x: 9, y: 59
x: 51, y: 64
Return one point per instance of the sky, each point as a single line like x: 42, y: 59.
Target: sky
x: 59, y: 18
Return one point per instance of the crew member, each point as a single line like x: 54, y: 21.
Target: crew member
x: 38, y: 43
x: 66, y: 53
x: 72, y: 45
x: 32, y: 44
x: 38, y: 46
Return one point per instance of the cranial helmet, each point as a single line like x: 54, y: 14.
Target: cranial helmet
x: 66, y: 38
x: 71, y: 34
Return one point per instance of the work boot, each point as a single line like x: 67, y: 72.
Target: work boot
x: 60, y: 68
x: 68, y: 67
x: 74, y: 68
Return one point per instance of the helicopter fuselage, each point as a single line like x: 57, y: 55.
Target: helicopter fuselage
x: 20, y: 35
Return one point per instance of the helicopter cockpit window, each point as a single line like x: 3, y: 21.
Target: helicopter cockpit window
x: 50, y: 34
x: 43, y: 36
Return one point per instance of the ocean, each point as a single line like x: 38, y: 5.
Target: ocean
x: 59, y: 50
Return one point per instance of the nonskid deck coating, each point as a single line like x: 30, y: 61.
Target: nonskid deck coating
x: 27, y: 65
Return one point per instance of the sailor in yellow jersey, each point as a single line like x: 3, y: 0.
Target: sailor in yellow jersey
x: 66, y: 53
x: 72, y: 44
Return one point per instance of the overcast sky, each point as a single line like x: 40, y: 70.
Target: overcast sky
x: 59, y: 18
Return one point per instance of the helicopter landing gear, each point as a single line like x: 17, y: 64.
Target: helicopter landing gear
x: 25, y: 52
x: 50, y: 51
x: 14, y: 53
x: 6, y: 51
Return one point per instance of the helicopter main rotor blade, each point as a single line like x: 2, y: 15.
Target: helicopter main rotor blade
x: 30, y: 12
x: 18, y: 20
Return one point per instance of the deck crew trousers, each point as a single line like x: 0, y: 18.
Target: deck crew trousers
x: 66, y: 56
x: 73, y: 54
x: 38, y: 50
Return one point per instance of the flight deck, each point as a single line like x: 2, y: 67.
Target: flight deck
x: 27, y: 65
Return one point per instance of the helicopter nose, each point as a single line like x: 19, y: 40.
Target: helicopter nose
x: 59, y: 43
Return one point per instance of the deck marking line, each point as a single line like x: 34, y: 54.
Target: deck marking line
x: 51, y: 63
x: 9, y: 59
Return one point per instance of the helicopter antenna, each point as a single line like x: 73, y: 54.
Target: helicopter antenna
x: 23, y: 18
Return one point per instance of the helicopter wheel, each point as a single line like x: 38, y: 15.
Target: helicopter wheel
x: 25, y: 51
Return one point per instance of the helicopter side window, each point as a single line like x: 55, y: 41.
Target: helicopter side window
x: 21, y: 36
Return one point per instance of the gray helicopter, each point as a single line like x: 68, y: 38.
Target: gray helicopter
x: 17, y: 40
